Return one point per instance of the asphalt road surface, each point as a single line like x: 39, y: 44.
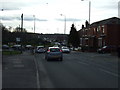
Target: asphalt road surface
x: 79, y: 70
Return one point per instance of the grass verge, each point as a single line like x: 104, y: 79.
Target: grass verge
x: 11, y: 52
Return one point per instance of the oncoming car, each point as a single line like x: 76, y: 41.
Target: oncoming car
x: 54, y: 53
x: 65, y: 50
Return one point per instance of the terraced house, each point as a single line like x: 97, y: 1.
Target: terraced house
x: 102, y: 33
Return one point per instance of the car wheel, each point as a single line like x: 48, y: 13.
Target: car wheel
x: 61, y: 59
x: 103, y: 52
x: 47, y: 59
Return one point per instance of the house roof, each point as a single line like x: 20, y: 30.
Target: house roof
x: 113, y: 20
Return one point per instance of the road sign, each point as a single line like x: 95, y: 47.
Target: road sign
x: 18, y: 39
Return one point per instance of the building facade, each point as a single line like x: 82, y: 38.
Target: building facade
x: 101, y: 33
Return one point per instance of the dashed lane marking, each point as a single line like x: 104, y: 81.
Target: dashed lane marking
x: 17, y: 62
x: 19, y: 65
x: 111, y: 73
x: 83, y: 63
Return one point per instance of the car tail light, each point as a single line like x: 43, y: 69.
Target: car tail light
x: 48, y: 51
x: 60, y: 50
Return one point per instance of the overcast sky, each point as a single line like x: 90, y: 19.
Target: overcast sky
x: 47, y: 13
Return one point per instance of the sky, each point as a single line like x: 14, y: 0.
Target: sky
x: 48, y: 19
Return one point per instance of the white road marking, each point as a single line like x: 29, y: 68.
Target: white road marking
x: 17, y: 62
x: 111, y: 73
x: 37, y: 74
x: 19, y: 65
x: 47, y: 80
x: 83, y: 63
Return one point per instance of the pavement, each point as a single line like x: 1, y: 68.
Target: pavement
x: 19, y: 71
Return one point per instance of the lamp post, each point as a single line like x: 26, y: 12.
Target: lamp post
x: 34, y: 22
x: 119, y: 9
x: 21, y: 31
x: 22, y: 22
x: 65, y: 23
x: 89, y: 10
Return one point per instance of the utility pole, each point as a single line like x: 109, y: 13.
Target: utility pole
x: 65, y: 23
x: 34, y: 23
x: 21, y: 30
x: 89, y: 10
x: 22, y: 22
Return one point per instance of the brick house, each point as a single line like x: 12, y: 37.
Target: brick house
x: 101, y: 33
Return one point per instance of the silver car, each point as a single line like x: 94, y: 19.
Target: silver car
x: 65, y: 50
x: 40, y: 49
x: 54, y: 53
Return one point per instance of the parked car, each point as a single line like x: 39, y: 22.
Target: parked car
x: 5, y: 47
x: 40, y: 49
x: 54, y: 53
x: 17, y: 47
x: 28, y: 47
x: 65, y: 49
x: 105, y: 49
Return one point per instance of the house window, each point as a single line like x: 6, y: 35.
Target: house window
x: 98, y: 28
x: 103, y: 29
x: 94, y: 30
x: 86, y: 30
x: 81, y: 41
x: 100, y: 42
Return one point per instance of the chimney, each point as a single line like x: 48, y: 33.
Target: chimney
x: 82, y: 26
x: 86, y: 23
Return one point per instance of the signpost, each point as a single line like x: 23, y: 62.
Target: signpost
x: 17, y: 39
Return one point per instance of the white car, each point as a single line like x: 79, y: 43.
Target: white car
x: 65, y: 50
x: 40, y: 49
x: 28, y: 47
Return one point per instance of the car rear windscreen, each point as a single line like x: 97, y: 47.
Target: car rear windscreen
x: 54, y: 50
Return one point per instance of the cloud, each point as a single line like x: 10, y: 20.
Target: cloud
x: 32, y: 19
x: 11, y: 5
x: 18, y: 4
x: 69, y: 19
x: 10, y: 18
x: 5, y: 18
x: 108, y: 4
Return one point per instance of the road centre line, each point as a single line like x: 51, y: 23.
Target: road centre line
x: 83, y: 63
x: 19, y: 65
x: 17, y: 62
x: 114, y: 74
x: 37, y: 73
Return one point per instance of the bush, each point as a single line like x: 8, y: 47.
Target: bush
x: 11, y: 52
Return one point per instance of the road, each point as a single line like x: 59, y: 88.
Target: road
x: 79, y: 70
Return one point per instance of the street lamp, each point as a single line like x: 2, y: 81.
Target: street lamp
x: 22, y: 22
x: 34, y: 22
x: 65, y: 23
x: 89, y: 9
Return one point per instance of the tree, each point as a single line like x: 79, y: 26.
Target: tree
x: 73, y: 37
x: 18, y: 29
x: 6, y: 35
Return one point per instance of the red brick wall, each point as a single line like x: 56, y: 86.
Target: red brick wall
x: 113, y: 34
